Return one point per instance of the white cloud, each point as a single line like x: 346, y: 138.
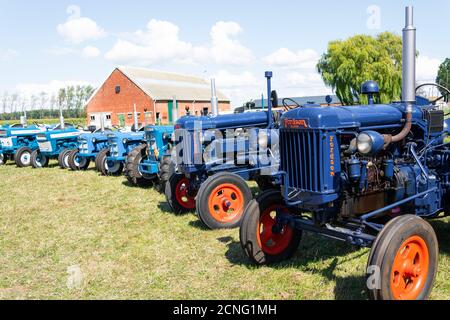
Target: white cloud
x: 91, y: 52
x: 158, y: 43
x: 8, y: 54
x: 230, y: 80
x: 79, y: 29
x: 52, y: 87
x: 225, y: 49
x: 59, y: 51
x: 285, y: 58
x: 427, y: 68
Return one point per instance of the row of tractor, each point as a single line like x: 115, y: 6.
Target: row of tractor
x: 370, y: 175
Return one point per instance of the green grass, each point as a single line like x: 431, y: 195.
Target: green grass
x: 75, y: 121
x: 128, y: 246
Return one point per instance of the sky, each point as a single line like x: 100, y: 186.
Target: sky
x: 49, y: 44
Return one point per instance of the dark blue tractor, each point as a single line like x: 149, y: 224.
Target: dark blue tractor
x: 369, y: 175
x: 90, y: 145
x: 55, y: 143
x: 111, y: 161
x: 17, y: 142
x: 151, y: 162
x: 215, y: 156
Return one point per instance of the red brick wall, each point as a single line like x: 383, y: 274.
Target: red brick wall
x: 106, y: 100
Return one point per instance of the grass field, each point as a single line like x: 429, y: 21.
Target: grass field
x: 125, y: 244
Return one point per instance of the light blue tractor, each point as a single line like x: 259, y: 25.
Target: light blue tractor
x: 55, y: 143
x: 17, y: 142
x: 150, y: 163
x: 90, y: 146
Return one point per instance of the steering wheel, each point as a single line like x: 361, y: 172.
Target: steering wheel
x: 445, y: 95
x: 287, y: 107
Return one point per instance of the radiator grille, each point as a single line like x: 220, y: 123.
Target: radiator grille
x: 302, y: 159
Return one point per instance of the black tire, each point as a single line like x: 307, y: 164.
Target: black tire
x: 63, y: 159
x: 403, y: 235
x: 132, y: 173
x: 3, y: 159
x: 166, y: 170
x: 222, y: 199
x: 23, y: 157
x: 38, y: 161
x: 180, y: 201
x: 260, y: 253
x: 101, y: 158
x: 75, y: 164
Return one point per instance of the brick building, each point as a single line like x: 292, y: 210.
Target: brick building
x: 153, y: 93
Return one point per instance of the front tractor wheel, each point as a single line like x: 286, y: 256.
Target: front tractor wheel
x: 180, y: 195
x: 222, y: 200
x: 266, y: 236
x: 77, y: 163
x: 403, y: 261
x: 63, y: 159
x: 38, y: 160
x: 167, y: 168
x: 3, y: 159
x: 132, y: 173
x: 23, y: 157
x: 108, y: 168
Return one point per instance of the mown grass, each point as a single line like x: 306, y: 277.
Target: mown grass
x: 75, y: 121
x: 128, y: 246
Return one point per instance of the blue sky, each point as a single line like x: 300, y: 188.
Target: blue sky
x: 46, y: 44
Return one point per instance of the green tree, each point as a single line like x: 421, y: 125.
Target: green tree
x: 349, y: 63
x: 443, y: 77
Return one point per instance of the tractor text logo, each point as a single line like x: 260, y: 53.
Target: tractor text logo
x: 294, y: 124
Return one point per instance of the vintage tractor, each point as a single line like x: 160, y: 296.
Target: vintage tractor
x: 151, y: 162
x: 111, y: 161
x: 55, y: 143
x: 17, y: 142
x: 369, y: 175
x: 215, y: 156
x: 90, y: 145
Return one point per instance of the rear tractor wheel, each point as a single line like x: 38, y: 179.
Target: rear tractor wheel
x: 222, y: 200
x: 180, y: 195
x: 23, y: 157
x: 38, y: 160
x: 77, y: 163
x: 403, y: 261
x: 265, y: 236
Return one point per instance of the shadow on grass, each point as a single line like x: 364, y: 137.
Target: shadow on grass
x: 197, y: 224
x: 313, y: 248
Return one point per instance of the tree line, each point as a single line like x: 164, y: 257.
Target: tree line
x: 45, y: 105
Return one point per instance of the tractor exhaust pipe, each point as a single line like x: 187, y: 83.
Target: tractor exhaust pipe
x: 102, y: 122
x: 174, y: 110
x: 408, y: 75
x: 23, y: 119
x: 269, y: 75
x: 214, y: 99
x: 136, y: 121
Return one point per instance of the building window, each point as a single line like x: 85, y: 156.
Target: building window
x: 92, y: 118
x: 130, y: 116
x: 205, y: 111
x: 117, y: 89
x: 108, y: 117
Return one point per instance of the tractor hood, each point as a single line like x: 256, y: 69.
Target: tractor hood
x: 14, y: 132
x: 228, y: 121
x: 58, y: 134
x: 347, y: 117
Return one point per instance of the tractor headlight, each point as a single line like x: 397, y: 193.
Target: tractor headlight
x: 94, y: 140
x: 125, y: 141
x: 370, y: 142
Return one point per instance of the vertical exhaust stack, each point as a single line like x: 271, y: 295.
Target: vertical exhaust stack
x: 409, y: 60
x: 214, y: 99
x: 408, y: 76
x: 269, y: 75
x: 136, y: 122
x: 23, y: 119
x: 174, y: 110
x: 102, y: 122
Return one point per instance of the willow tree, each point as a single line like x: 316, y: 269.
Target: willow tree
x: 443, y: 77
x: 349, y: 63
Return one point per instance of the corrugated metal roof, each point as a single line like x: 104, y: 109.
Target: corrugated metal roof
x: 164, y: 86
